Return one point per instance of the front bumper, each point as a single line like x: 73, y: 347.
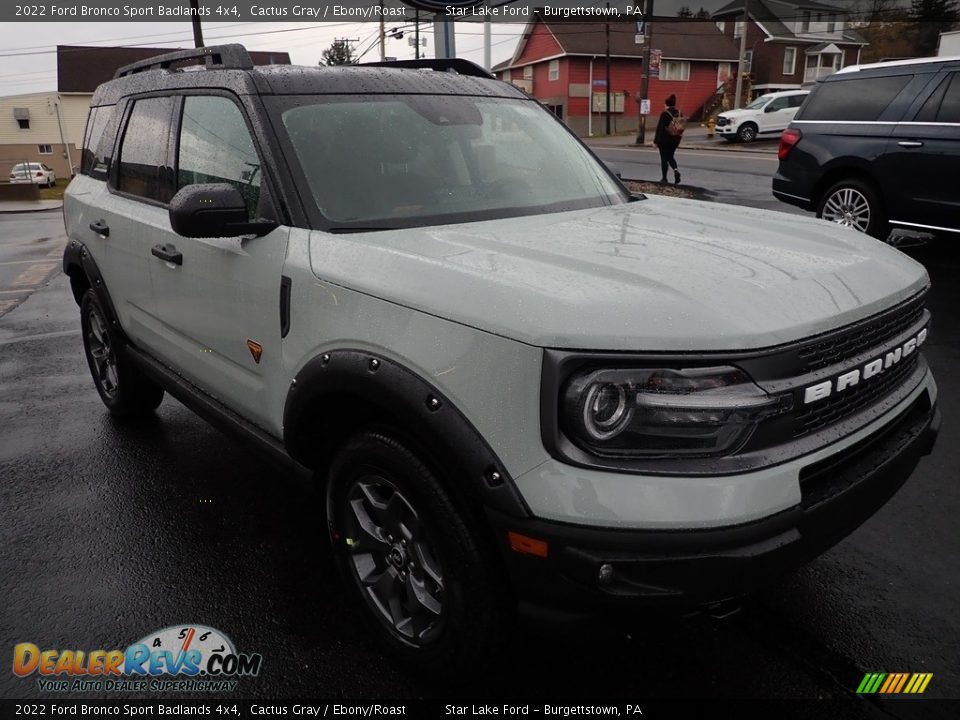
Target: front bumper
x: 693, y: 568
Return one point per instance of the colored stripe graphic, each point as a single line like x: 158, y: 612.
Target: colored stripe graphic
x: 892, y: 679
x: 894, y: 683
x: 899, y: 685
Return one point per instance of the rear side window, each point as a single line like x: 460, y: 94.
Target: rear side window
x: 858, y: 99
x: 950, y: 107
x: 796, y: 100
x: 145, y: 151
x: 780, y: 103
x: 216, y: 147
x: 98, y: 145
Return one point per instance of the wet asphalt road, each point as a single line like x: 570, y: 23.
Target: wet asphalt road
x: 110, y: 530
x: 730, y: 176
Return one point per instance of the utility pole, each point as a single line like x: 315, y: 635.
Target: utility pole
x: 608, y: 74
x: 195, y: 21
x: 645, y: 77
x: 416, y: 34
x: 383, y: 35
x: 486, y: 43
x: 743, y: 53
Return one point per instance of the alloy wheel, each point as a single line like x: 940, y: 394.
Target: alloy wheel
x: 391, y: 554
x: 848, y: 207
x: 102, y: 353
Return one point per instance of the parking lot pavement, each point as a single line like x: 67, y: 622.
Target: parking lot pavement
x: 31, y: 249
x: 111, y: 530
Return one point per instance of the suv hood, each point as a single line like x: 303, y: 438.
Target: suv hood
x: 741, y: 113
x: 659, y: 274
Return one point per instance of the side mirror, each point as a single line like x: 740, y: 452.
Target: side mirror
x: 213, y: 210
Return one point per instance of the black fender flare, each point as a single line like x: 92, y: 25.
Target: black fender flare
x: 78, y: 260
x: 380, y: 382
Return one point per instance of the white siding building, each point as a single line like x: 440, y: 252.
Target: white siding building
x: 43, y: 127
x: 949, y: 44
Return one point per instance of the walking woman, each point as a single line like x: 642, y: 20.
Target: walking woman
x: 667, y: 138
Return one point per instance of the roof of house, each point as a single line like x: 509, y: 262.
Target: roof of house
x: 677, y: 39
x: 774, y: 16
x: 783, y: 6
x: 81, y: 68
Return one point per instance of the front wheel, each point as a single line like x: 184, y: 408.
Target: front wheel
x: 412, y: 561
x: 853, y: 203
x: 747, y: 133
x: 122, y: 387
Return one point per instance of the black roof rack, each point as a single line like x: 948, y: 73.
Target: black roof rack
x: 457, y: 65
x: 220, y: 57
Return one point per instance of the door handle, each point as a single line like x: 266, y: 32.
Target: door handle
x: 167, y: 252
x: 910, y: 143
x: 101, y: 228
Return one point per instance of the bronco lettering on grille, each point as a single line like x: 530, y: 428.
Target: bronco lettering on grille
x: 869, y: 370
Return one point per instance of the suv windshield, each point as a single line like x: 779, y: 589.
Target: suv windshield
x: 387, y: 161
x: 758, y: 103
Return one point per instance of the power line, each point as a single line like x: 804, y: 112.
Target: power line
x: 135, y: 37
x: 315, y: 26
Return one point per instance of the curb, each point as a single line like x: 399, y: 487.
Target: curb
x: 4, y: 211
x: 695, y: 146
x: 732, y: 148
x: 698, y: 192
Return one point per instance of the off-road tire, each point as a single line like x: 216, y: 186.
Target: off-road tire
x: 125, y: 390
x: 475, y: 611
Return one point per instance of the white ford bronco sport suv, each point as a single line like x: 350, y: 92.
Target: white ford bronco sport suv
x: 518, y: 385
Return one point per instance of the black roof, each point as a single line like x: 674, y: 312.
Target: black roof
x: 303, y: 80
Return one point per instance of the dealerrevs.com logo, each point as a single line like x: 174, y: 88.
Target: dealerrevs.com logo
x: 179, y: 658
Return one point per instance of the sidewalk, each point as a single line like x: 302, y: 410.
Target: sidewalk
x: 25, y: 206
x: 695, y: 138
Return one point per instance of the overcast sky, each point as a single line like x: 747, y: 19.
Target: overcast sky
x: 304, y: 41
x: 36, y: 72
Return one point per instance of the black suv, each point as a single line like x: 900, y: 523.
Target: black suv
x: 878, y: 145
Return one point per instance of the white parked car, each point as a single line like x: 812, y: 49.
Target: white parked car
x: 767, y: 116
x: 36, y: 173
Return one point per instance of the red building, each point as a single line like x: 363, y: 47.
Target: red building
x: 559, y: 63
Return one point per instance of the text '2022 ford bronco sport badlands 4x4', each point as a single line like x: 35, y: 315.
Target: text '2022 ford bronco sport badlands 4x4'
x: 519, y: 385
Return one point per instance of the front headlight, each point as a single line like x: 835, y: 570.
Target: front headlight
x: 664, y: 412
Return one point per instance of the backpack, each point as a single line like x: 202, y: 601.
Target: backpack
x: 677, y: 125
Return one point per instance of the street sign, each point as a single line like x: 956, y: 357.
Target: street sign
x: 600, y: 83
x: 645, y: 106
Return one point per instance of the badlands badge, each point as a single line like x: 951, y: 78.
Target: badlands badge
x: 179, y: 658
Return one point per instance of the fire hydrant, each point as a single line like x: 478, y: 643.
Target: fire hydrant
x: 711, y: 126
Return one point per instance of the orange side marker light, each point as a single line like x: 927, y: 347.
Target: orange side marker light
x: 527, y: 545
